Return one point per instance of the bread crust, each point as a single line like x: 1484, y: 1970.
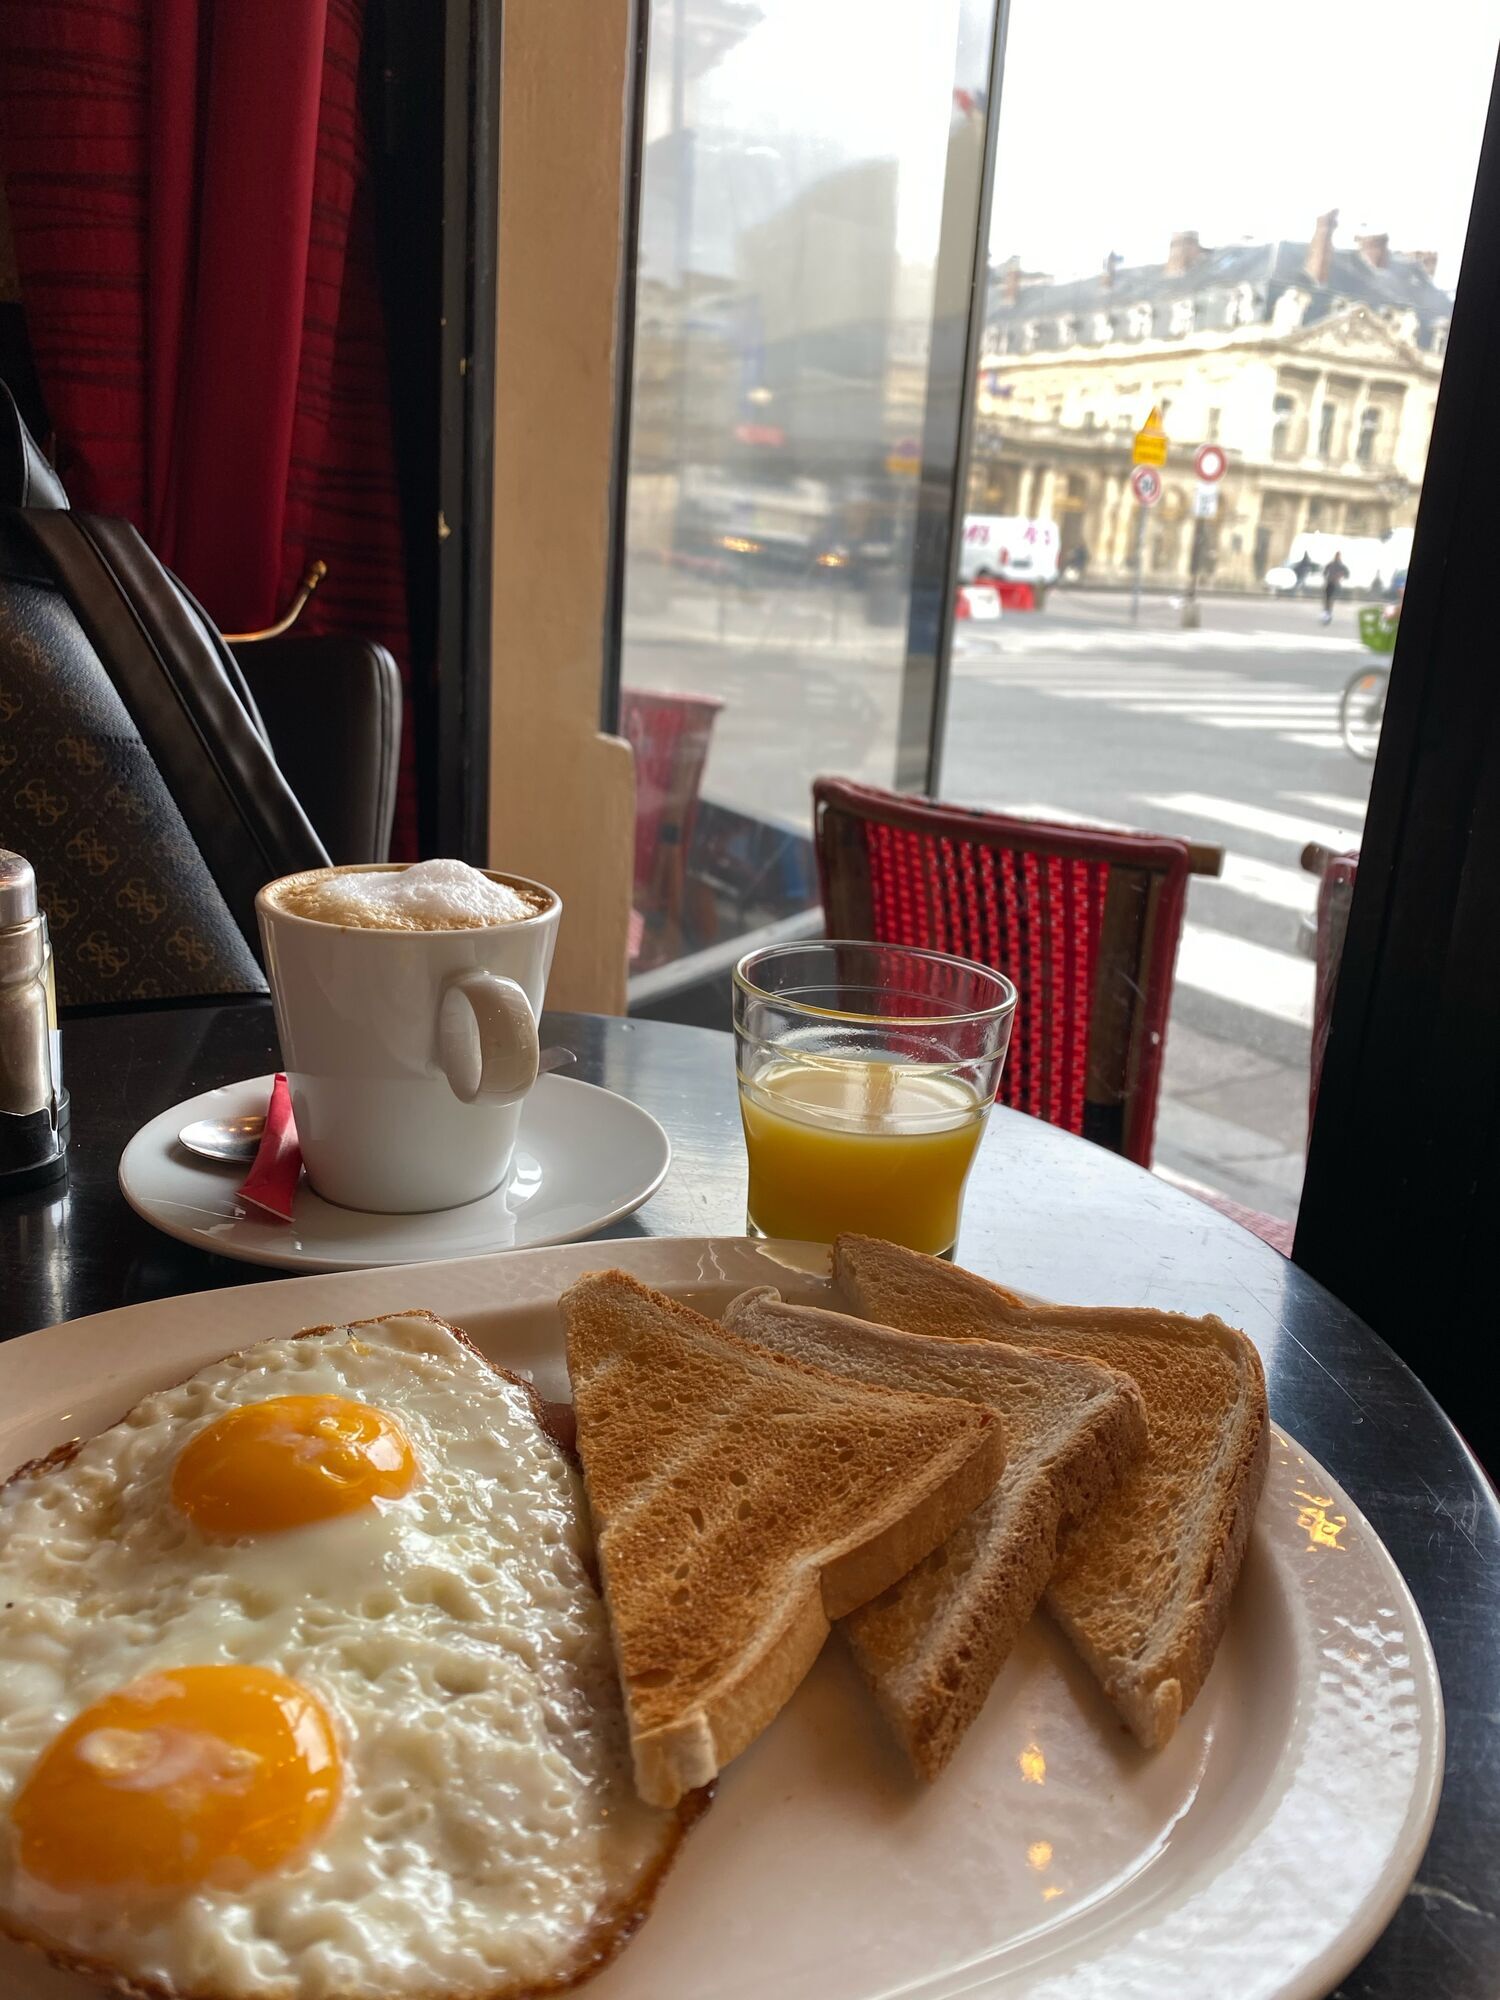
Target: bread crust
x: 604, y: 1939
x: 1152, y: 1681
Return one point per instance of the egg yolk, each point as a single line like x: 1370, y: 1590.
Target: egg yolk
x: 193, y: 1776
x: 289, y: 1460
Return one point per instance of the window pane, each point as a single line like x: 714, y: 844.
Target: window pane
x: 795, y: 163
x: 1164, y: 236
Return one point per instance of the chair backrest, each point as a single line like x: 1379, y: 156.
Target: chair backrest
x: 332, y: 711
x: 1086, y: 922
x: 669, y: 734
x: 1335, y: 894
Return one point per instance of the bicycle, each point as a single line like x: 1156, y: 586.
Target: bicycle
x: 1362, y: 704
x: 1362, y: 710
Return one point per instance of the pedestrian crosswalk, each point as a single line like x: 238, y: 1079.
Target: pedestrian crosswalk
x: 1187, y: 733
x: 1216, y: 958
x: 1212, y: 696
x: 1294, y: 828
x: 1021, y: 640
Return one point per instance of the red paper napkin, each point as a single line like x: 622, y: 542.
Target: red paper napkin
x: 271, y: 1184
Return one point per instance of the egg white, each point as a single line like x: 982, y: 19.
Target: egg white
x: 488, y: 1820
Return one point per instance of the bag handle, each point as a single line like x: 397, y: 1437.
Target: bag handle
x: 189, y: 703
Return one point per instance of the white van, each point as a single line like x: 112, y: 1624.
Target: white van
x: 1015, y: 548
x: 1364, y: 556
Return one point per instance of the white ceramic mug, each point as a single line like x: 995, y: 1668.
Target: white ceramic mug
x: 408, y: 1053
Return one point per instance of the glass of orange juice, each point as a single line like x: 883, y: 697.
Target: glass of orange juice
x: 866, y: 1072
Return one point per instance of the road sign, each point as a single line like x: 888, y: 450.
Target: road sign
x: 1150, y: 443
x: 1209, y: 463
x: 1206, y: 502
x: 1145, y: 484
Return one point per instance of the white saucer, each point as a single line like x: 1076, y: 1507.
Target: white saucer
x: 585, y: 1157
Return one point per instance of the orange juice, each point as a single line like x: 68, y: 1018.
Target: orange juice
x: 872, y: 1146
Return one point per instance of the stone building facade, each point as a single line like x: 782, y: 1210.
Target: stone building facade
x: 1314, y: 366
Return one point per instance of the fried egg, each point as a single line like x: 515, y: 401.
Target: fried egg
x: 306, y: 1691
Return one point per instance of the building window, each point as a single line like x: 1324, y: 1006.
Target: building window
x: 1239, y: 308
x: 1440, y: 338
x: 1138, y: 325
x: 1369, y: 434
x: 1325, y: 429
x: 1182, y: 316
x: 1214, y: 415
x: 1282, y: 412
x: 1103, y: 327
x: 1067, y: 329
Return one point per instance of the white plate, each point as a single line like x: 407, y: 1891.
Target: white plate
x: 1257, y: 1857
x: 584, y: 1158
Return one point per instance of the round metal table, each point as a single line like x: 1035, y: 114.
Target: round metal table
x: 1045, y: 1212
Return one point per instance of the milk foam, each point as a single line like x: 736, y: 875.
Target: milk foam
x: 429, y: 895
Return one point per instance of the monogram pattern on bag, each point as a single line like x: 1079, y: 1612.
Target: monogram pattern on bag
x: 92, y: 853
x: 142, y: 901
x: 132, y: 908
x: 81, y: 753
x: 103, y: 954
x: 46, y: 807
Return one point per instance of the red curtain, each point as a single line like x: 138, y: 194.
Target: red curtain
x: 193, y: 222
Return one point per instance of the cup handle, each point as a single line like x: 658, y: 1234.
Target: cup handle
x: 486, y: 1038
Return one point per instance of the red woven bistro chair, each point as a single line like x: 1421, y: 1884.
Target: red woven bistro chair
x: 670, y: 735
x: 1085, y: 921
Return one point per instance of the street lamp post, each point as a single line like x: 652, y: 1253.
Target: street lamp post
x: 1192, y: 617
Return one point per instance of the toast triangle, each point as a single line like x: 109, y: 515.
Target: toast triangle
x: 741, y: 1502
x: 1143, y: 1586
x: 931, y: 1645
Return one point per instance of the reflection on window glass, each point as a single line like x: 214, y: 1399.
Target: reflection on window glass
x: 794, y: 165
x: 1251, y: 224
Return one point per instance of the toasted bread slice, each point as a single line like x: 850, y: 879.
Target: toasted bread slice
x: 1144, y: 1585
x: 742, y: 1501
x: 931, y: 1646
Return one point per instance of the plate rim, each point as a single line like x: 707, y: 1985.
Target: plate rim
x: 689, y: 1262
x: 143, y: 1143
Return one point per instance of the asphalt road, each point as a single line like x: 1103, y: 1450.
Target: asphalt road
x: 1226, y: 734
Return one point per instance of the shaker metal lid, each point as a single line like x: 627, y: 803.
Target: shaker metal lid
x: 17, y: 889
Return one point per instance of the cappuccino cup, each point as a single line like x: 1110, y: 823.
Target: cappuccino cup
x: 407, y: 1000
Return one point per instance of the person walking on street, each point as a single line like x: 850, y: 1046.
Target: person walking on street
x: 1333, y: 576
x: 1302, y: 569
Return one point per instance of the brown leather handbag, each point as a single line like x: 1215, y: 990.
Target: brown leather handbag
x: 135, y: 772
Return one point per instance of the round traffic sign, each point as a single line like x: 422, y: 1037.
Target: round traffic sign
x: 1145, y: 484
x: 1210, y: 463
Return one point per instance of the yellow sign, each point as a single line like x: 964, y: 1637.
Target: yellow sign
x: 1150, y: 442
